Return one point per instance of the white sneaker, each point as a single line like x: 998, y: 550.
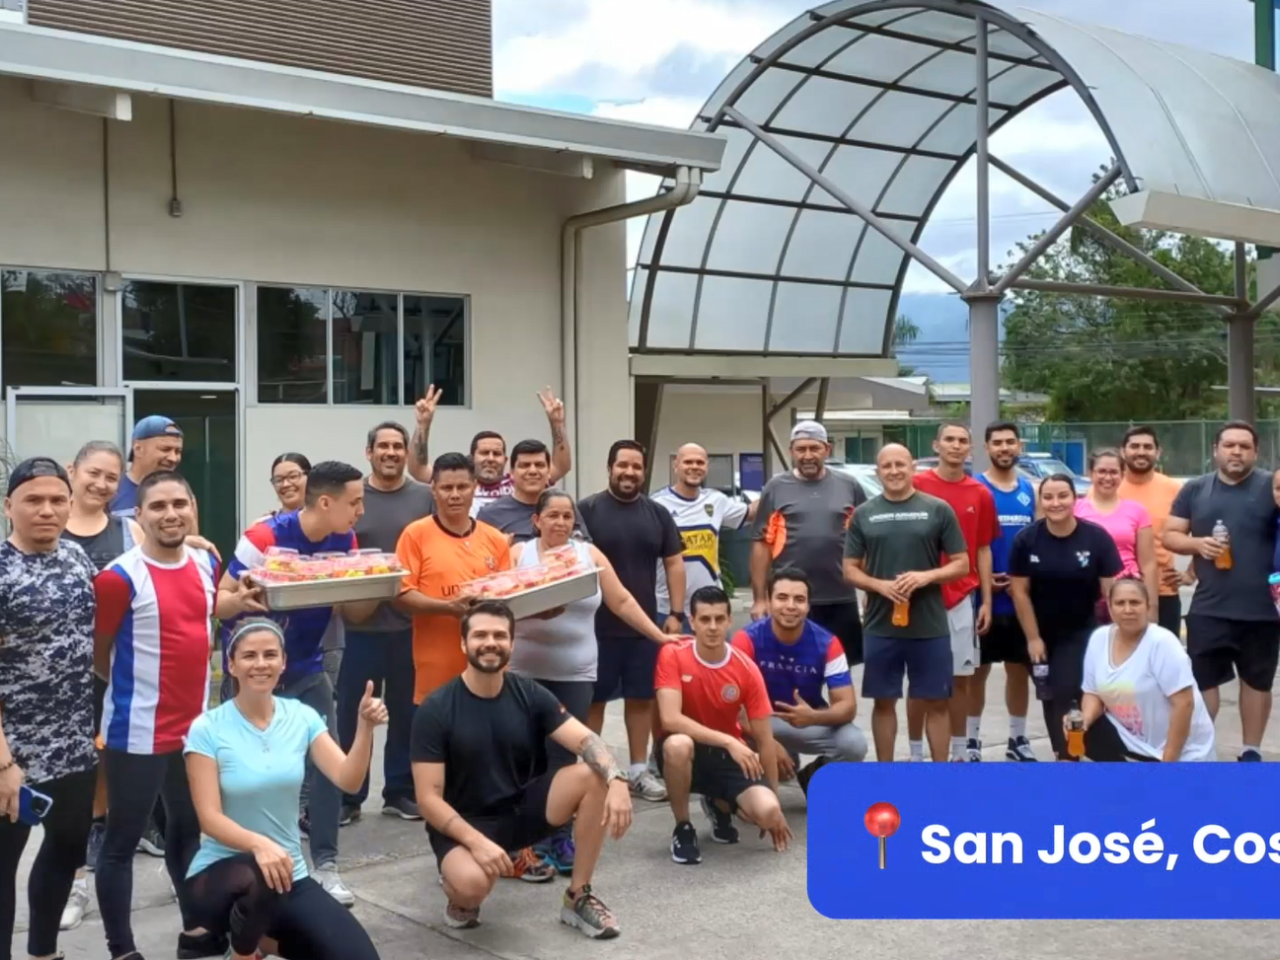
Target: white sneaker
x: 77, y: 905
x: 328, y: 878
x: 649, y: 787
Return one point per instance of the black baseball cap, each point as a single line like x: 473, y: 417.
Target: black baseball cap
x: 34, y: 468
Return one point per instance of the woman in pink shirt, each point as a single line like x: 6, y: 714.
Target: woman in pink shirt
x: 1126, y: 520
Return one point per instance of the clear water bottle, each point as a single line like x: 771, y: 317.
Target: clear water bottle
x: 1220, y: 533
x: 1040, y: 676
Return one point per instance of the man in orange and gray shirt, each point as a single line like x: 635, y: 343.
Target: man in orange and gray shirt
x: 801, y: 521
x: 1156, y: 492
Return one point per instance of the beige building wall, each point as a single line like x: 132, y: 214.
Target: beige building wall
x: 289, y: 200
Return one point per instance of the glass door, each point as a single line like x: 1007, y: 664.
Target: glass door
x: 57, y: 421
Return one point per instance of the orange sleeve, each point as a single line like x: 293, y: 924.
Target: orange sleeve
x: 742, y: 641
x: 502, y: 552
x: 666, y: 676
x: 776, y: 534
x: 409, y: 553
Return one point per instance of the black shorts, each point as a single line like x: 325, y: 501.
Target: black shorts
x: 1170, y: 615
x: 521, y: 826
x: 1222, y: 649
x: 715, y: 774
x: 1005, y: 642
x: 845, y: 621
x: 625, y: 669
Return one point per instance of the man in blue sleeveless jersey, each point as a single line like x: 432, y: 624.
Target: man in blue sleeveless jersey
x: 1004, y: 643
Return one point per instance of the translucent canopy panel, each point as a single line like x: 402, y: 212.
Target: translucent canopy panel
x: 880, y: 97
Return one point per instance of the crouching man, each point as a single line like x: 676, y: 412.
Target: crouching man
x: 798, y: 658
x: 701, y: 686
x: 479, y: 770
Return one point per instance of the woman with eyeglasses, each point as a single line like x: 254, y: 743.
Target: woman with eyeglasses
x: 1059, y: 567
x: 1126, y: 520
x: 289, y: 479
x: 1140, y: 700
x: 246, y: 762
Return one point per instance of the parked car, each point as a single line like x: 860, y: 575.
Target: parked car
x: 1041, y: 465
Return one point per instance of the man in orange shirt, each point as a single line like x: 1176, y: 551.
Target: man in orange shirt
x: 441, y: 554
x: 1156, y: 492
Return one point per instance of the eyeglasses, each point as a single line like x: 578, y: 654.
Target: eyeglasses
x: 296, y: 477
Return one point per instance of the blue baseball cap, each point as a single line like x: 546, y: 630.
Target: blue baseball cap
x: 148, y: 428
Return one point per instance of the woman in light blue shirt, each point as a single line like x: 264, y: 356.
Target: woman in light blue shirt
x: 246, y: 761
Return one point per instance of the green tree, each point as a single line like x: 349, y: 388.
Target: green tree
x: 1122, y: 359
x: 905, y: 333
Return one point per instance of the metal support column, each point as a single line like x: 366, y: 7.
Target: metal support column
x: 766, y: 442
x: 1240, y: 404
x: 820, y: 411
x: 984, y: 369
x: 983, y: 169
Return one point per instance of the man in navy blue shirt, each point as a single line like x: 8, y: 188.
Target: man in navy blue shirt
x: 798, y: 658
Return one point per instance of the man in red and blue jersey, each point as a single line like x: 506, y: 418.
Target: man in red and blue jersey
x: 153, y: 636
x: 798, y: 658
x: 325, y: 524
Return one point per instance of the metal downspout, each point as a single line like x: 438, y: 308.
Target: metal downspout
x: 688, y: 182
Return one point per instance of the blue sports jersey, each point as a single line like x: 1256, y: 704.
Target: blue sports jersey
x: 816, y: 660
x: 1015, y: 509
x: 304, y: 630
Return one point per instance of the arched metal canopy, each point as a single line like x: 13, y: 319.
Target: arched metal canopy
x: 846, y: 127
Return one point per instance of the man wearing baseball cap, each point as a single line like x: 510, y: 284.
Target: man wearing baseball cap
x: 801, y: 521
x: 157, y: 445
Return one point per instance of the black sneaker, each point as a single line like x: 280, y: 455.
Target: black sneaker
x: 805, y: 773
x: 349, y: 814
x: 1019, y: 750
x: 973, y: 750
x: 205, y: 945
x: 1250, y: 756
x: 684, y: 844
x: 152, y: 842
x: 401, y: 807
x: 722, y: 828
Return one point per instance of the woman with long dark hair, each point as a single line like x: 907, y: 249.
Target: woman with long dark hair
x: 1059, y: 567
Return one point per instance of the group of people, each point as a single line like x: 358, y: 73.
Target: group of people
x: 109, y: 596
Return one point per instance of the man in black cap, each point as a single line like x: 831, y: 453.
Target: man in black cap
x: 157, y: 445
x: 46, y: 666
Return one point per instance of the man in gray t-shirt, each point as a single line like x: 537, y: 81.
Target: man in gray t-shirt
x: 1232, y: 626
x: 800, y: 522
x: 381, y: 648
x: 894, y: 551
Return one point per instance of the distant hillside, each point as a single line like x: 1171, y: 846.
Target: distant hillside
x: 942, y: 349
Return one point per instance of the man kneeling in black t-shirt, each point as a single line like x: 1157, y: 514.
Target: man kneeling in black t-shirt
x: 479, y: 769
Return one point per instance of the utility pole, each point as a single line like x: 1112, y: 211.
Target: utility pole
x: 1264, y: 55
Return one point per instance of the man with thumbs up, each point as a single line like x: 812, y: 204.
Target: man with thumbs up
x: 798, y: 658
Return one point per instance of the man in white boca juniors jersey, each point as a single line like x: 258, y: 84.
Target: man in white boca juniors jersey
x: 700, y: 514
x: 153, y: 638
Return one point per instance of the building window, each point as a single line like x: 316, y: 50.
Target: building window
x: 377, y: 349
x: 178, y: 331
x: 48, y: 329
x: 292, y: 345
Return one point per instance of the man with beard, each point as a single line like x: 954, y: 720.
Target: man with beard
x: 380, y: 650
x: 157, y: 445
x: 1155, y: 491
x: 636, y: 535
x: 700, y: 514
x: 489, y: 450
x: 512, y: 514
x: 1232, y: 628
x: 1015, y: 502
x: 153, y: 638
x: 801, y: 521
x: 967, y: 621
x: 478, y: 744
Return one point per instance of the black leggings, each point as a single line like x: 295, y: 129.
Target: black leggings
x: 1102, y: 744
x: 66, y: 831
x: 133, y: 783
x: 575, y: 696
x: 231, y: 897
x: 1066, y: 674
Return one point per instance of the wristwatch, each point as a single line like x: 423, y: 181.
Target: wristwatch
x: 618, y: 774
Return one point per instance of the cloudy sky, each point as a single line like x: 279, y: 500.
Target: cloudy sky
x: 656, y: 61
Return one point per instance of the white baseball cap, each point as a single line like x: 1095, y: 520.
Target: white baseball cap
x: 809, y: 430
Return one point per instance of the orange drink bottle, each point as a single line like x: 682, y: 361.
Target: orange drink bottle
x: 1223, y: 562
x: 1075, y: 731
x: 901, y: 614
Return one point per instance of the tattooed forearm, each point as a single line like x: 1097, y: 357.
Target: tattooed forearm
x: 558, y: 441
x: 420, y: 445
x: 597, y: 756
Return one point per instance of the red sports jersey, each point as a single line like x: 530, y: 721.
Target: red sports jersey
x: 976, y: 511
x: 713, y: 692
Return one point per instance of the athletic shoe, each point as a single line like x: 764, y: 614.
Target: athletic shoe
x: 461, y: 918
x: 401, y: 807
x: 722, y: 828
x: 960, y: 758
x: 349, y: 814
x: 914, y: 759
x: 531, y: 868
x: 257, y: 955
x: 648, y: 787
x: 1019, y: 750
x: 205, y: 945
x: 684, y: 844
x: 328, y: 878
x: 96, y: 833
x: 77, y: 906
x: 589, y: 914
x: 973, y: 750
x: 1250, y: 756
x: 559, y: 852
x: 805, y: 773
x: 152, y: 842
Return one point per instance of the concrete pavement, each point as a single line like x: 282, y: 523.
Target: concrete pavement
x: 742, y: 902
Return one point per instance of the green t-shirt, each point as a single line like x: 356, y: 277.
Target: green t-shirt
x: 897, y: 536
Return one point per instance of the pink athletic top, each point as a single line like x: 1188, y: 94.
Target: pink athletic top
x: 1123, y: 523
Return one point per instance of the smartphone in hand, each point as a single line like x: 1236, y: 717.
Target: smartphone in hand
x: 33, y: 806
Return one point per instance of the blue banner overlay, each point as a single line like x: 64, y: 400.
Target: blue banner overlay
x: 1012, y: 841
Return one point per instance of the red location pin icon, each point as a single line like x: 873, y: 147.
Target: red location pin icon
x: 882, y: 822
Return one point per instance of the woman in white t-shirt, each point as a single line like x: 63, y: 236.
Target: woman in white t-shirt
x: 1140, y: 698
